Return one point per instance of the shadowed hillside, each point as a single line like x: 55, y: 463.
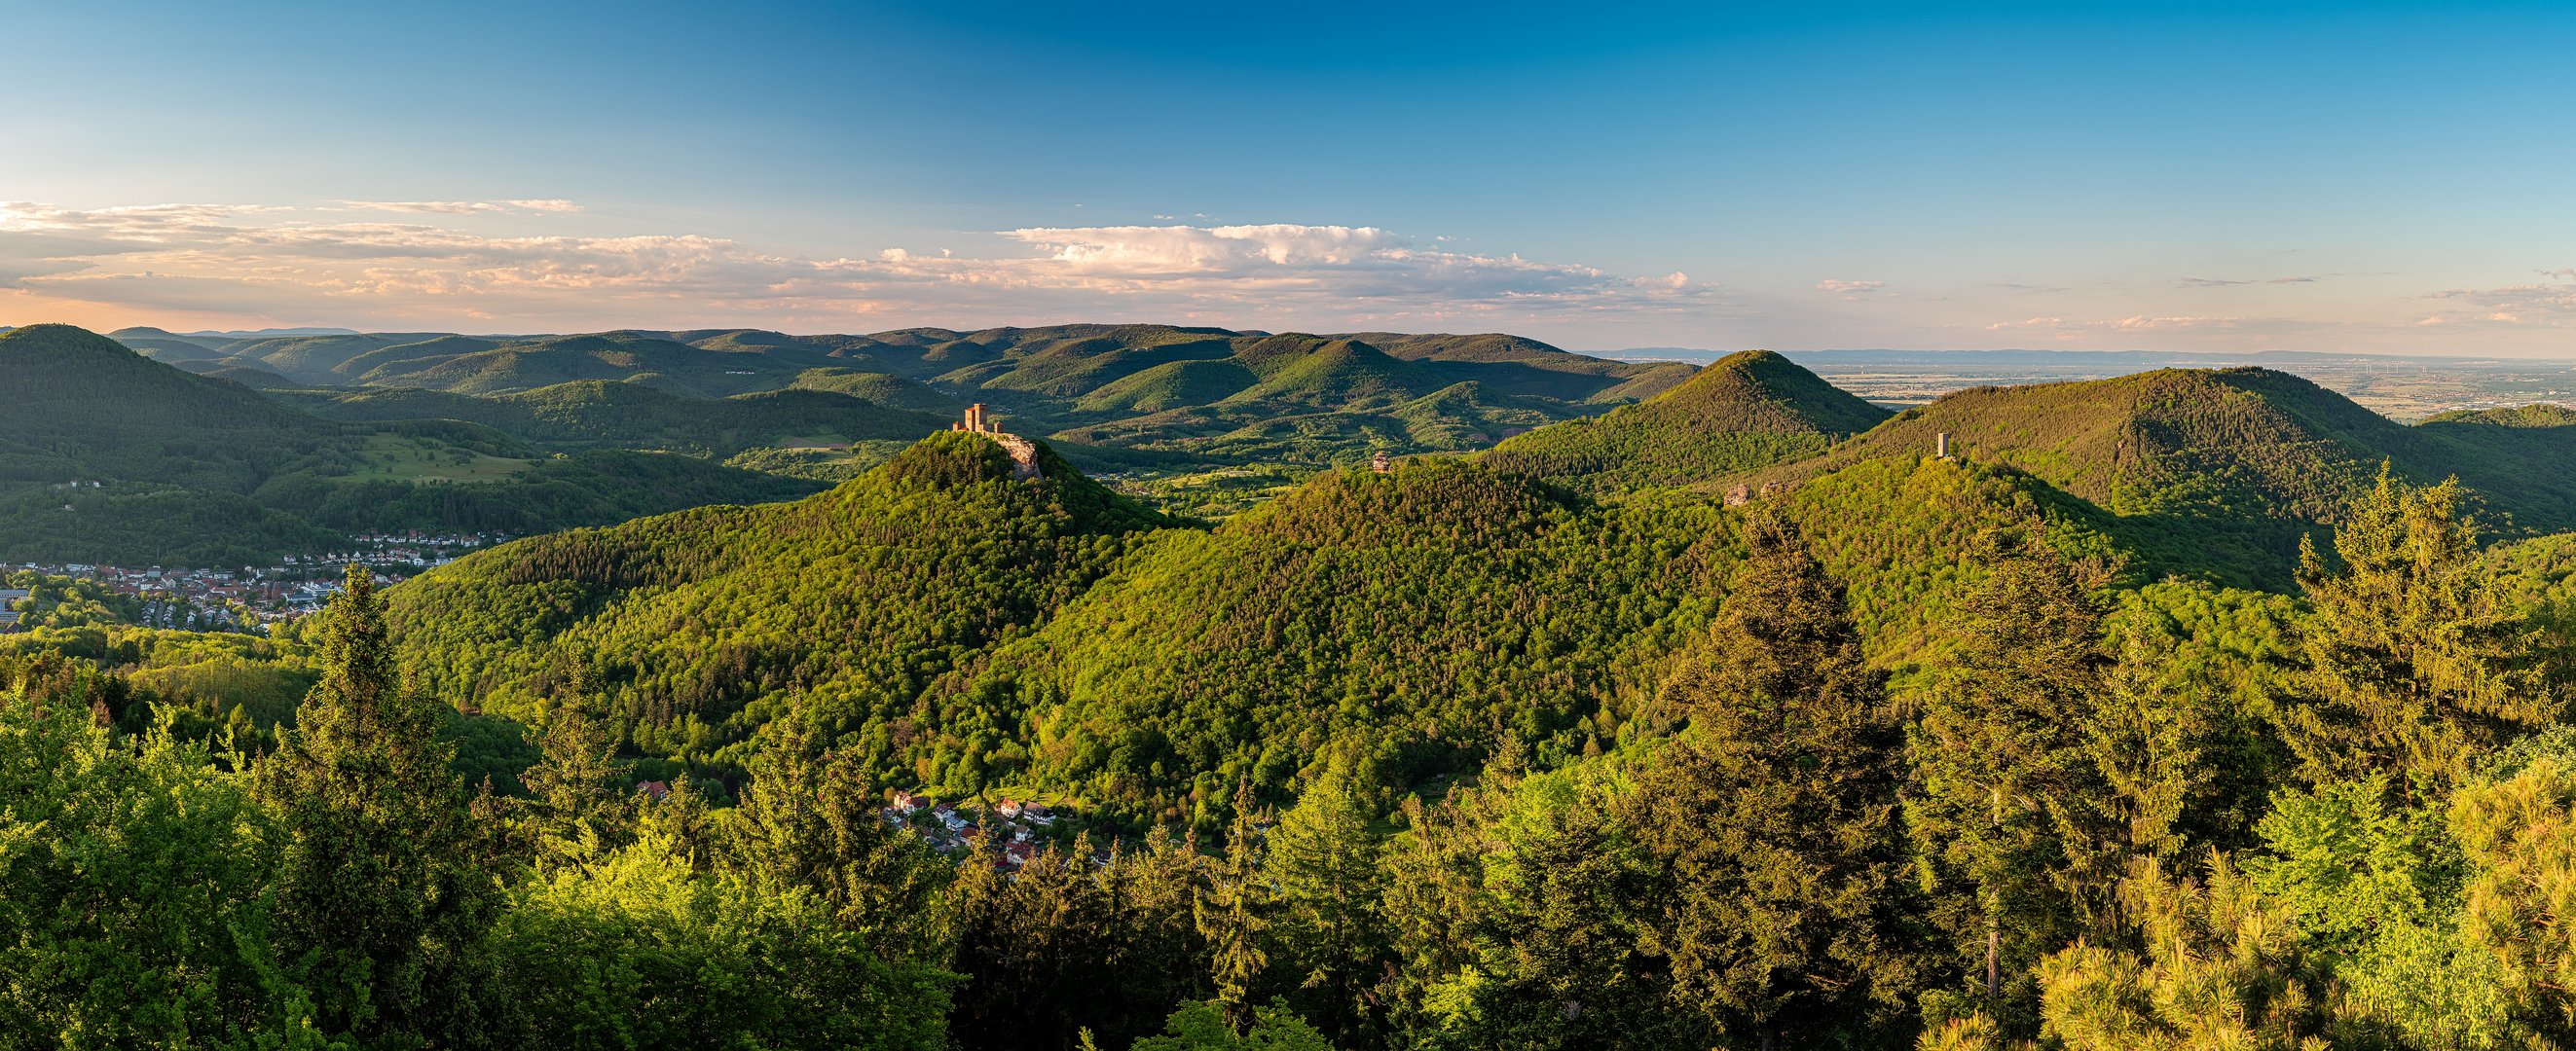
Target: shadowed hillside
x: 182, y: 469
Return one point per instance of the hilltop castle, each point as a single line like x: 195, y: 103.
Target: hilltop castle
x: 1024, y: 453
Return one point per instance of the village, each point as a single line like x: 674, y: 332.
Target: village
x: 243, y: 598
x: 1020, y: 828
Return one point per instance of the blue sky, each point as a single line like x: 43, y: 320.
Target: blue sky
x: 2235, y: 177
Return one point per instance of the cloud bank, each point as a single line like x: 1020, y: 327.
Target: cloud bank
x: 415, y: 266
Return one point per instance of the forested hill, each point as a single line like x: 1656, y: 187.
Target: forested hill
x: 1746, y: 411
x: 1919, y: 752
x: 964, y: 632
x: 598, y: 413
x: 701, y: 626
x: 179, y: 469
x: 1126, y: 395
x: 2233, y: 465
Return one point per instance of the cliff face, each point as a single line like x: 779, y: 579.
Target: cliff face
x: 1024, y: 455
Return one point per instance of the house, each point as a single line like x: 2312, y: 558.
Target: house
x: 1008, y: 808
x: 659, y: 790
x: 1037, y: 814
x: 906, y: 802
x: 1018, y: 854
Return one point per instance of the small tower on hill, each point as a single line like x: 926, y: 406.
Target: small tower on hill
x: 1380, y: 463
x: 1941, y: 446
x: 976, y: 421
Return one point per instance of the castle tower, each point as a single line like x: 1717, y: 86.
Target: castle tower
x: 1941, y: 445
x: 1380, y: 463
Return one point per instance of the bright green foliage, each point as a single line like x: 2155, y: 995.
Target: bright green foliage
x: 382, y: 885
x: 698, y: 626
x: 2348, y: 864
x: 1520, y: 912
x: 637, y: 952
x: 2377, y: 892
x: 132, y: 904
x: 2415, y: 658
x: 2521, y: 835
x: 1230, y: 910
x: 574, y: 810
x: 2223, y: 970
x: 1442, y: 610
x: 1747, y: 411
x: 1786, y: 912
x: 1202, y: 1026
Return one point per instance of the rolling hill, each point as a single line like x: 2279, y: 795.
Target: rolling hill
x: 181, y: 469
x: 1076, y: 644
x: 1746, y: 411
x: 1157, y: 397
x: 601, y: 414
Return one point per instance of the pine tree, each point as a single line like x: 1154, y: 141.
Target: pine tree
x: 2221, y: 969
x: 2415, y: 658
x: 381, y: 887
x: 1162, y: 959
x: 1786, y: 911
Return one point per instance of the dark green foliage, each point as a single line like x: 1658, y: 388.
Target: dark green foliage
x: 1786, y: 910
x: 2008, y: 809
x: 196, y: 471
x: 1064, y: 946
x: 382, y: 887
x: 808, y: 823
x: 2416, y: 661
x: 602, y: 414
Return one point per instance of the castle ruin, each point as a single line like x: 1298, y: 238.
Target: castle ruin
x: 1024, y: 453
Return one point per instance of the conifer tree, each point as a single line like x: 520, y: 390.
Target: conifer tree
x: 810, y: 818
x: 2415, y: 659
x: 1162, y: 958
x: 1231, y: 911
x: 575, y: 813
x: 2221, y: 969
x: 2018, y: 834
x: 1323, y: 863
x: 381, y: 889
x: 1786, y: 912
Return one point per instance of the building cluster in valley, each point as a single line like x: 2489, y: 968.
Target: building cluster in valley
x: 1022, y: 827
x: 289, y: 587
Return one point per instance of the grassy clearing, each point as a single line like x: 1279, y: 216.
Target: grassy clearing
x: 404, y: 459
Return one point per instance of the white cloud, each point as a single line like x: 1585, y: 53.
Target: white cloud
x: 1850, y: 287
x: 320, y: 263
